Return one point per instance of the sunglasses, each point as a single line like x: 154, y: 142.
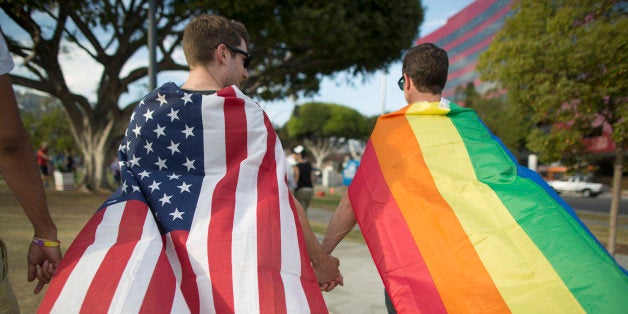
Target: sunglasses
x: 248, y: 57
x: 401, y: 82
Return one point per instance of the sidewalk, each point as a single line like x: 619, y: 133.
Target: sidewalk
x: 363, y: 291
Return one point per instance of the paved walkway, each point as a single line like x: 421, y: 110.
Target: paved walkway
x: 363, y: 291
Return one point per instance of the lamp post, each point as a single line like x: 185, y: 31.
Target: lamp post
x: 152, y: 67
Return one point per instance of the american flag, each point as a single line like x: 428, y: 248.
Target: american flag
x: 202, y: 223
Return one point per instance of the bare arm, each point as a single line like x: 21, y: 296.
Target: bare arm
x: 19, y: 169
x: 296, y: 174
x: 325, y: 265
x: 340, y: 224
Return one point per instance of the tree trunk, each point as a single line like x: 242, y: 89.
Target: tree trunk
x: 616, y: 197
x: 94, y: 162
x: 321, y: 149
x: 97, y: 144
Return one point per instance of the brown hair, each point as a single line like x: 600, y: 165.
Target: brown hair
x: 427, y: 66
x: 205, y: 32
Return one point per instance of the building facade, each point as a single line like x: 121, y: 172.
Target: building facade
x: 467, y: 34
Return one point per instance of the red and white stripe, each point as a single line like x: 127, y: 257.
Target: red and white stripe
x: 244, y: 253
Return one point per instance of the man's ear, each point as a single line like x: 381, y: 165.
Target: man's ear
x: 407, y: 82
x: 220, y: 53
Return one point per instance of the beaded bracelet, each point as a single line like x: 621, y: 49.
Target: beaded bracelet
x: 46, y: 243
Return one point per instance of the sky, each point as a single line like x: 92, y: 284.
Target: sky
x: 371, y: 95
x: 366, y: 94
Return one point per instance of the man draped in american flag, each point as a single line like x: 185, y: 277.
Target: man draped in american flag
x: 203, y: 221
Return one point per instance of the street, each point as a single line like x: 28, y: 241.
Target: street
x: 601, y: 204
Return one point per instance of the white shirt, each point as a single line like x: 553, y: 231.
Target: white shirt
x: 290, y: 163
x: 6, y: 61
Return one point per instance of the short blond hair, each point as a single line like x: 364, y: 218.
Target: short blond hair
x: 205, y: 32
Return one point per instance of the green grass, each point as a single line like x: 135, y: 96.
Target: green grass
x: 327, y: 201
x: 70, y: 211
x: 598, y: 224
x: 353, y: 235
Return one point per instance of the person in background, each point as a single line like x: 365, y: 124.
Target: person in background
x: 19, y: 170
x: 114, y: 167
x: 67, y: 161
x: 44, y: 163
x: 290, y: 163
x: 303, y: 176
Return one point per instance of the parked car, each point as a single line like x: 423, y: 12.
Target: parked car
x: 577, y: 184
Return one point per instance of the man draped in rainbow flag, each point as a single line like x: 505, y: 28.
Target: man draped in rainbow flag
x: 454, y: 224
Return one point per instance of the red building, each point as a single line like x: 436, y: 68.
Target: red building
x: 467, y: 34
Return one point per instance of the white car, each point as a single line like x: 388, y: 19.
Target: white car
x: 576, y: 184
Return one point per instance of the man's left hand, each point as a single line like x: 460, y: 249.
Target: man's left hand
x: 42, y: 264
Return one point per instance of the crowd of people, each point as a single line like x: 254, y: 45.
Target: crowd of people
x: 65, y: 161
x: 218, y: 222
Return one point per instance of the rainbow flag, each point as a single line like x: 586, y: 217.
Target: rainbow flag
x: 454, y: 224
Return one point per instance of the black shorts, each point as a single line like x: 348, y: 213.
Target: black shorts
x: 43, y: 169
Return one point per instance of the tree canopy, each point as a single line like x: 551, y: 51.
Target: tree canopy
x: 564, y: 63
x: 503, y: 119
x: 324, y: 127
x: 41, y: 116
x: 294, y: 44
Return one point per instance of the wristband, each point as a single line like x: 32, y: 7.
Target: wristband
x: 46, y: 243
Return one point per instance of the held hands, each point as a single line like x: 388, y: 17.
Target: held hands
x: 327, y: 273
x: 42, y: 263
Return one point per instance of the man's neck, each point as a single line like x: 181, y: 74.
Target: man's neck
x: 417, y: 96
x: 200, y: 79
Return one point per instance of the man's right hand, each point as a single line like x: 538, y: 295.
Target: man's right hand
x: 328, y: 273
